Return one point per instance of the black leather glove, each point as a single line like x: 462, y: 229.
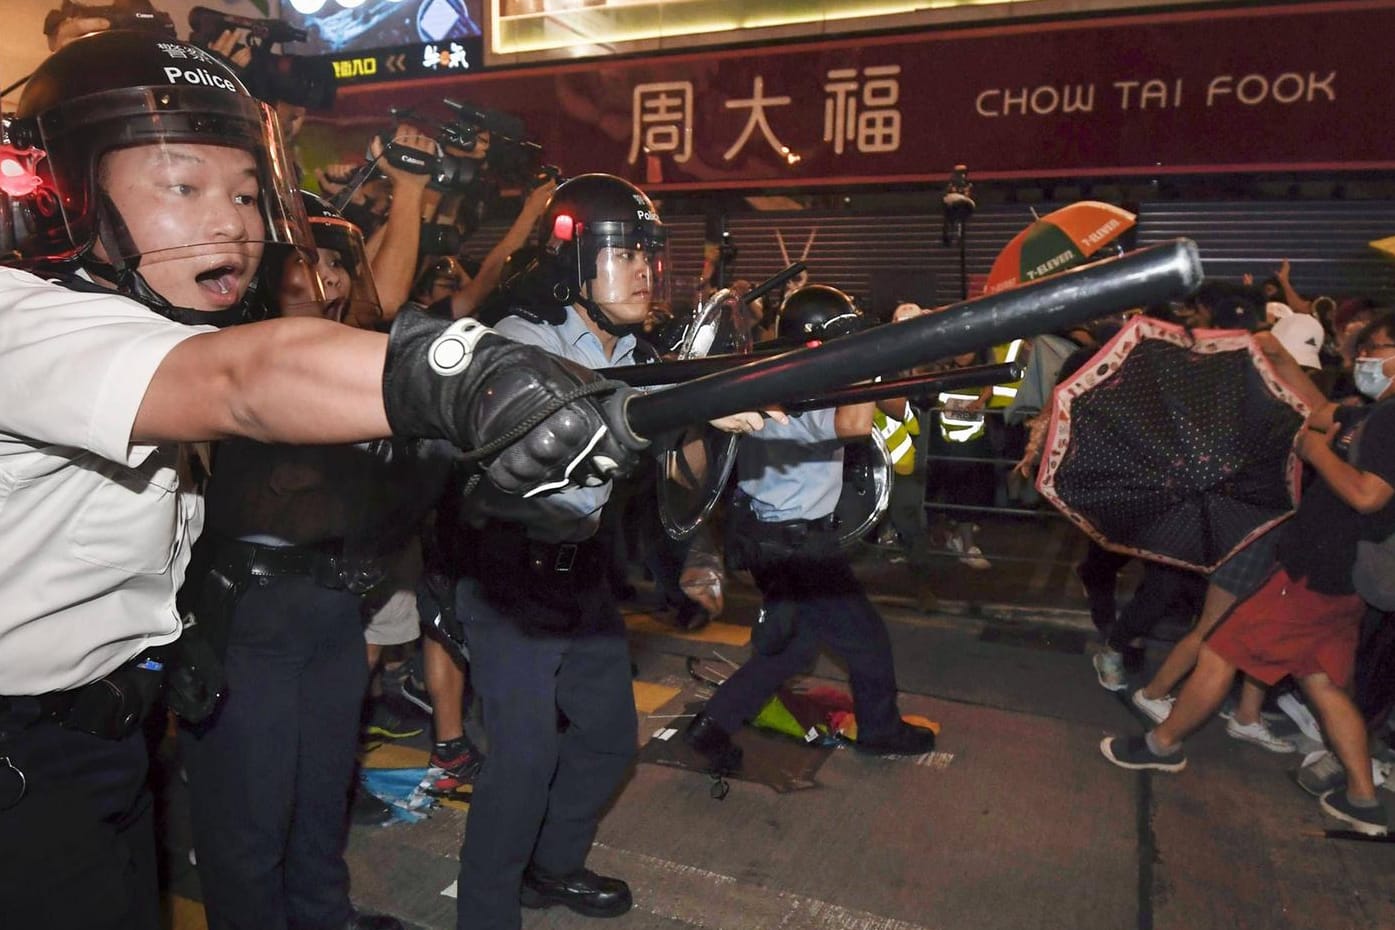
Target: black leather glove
x: 537, y: 423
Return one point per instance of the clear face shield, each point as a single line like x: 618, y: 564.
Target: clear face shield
x: 195, y: 195
x: 339, y: 286
x: 632, y: 280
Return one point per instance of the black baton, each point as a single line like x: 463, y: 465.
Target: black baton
x: 1167, y: 271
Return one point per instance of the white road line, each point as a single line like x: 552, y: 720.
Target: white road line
x: 714, y: 901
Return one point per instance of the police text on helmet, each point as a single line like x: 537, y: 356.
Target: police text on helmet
x: 176, y: 75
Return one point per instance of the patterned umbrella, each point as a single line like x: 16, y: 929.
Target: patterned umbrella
x: 1173, y: 445
x: 1062, y: 239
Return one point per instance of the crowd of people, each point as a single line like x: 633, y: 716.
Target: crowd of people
x: 280, y: 461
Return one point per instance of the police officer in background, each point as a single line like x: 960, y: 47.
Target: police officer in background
x: 296, y: 536
x: 166, y: 191
x: 782, y: 528
x: 544, y: 633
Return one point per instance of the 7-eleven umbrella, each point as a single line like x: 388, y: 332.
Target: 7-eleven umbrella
x: 1062, y: 239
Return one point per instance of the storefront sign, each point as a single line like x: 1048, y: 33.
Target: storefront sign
x: 1280, y: 88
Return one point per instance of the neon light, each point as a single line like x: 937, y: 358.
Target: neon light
x: 599, y: 28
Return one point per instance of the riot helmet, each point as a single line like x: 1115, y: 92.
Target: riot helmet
x: 339, y: 285
x: 601, y: 245
x: 170, y: 179
x: 817, y: 311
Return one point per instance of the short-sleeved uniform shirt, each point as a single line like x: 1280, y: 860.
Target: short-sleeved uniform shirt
x: 794, y: 470
x: 94, y: 529
x: 572, y: 515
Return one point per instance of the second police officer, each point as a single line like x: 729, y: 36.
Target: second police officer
x: 549, y: 658
x: 782, y: 527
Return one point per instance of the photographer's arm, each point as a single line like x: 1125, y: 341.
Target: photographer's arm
x: 466, y: 301
x: 394, y: 258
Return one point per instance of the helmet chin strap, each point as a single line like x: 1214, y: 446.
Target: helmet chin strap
x: 594, y: 311
x: 127, y: 279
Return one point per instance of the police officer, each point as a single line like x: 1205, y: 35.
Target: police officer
x: 165, y: 190
x: 782, y: 528
x: 295, y: 537
x: 544, y: 633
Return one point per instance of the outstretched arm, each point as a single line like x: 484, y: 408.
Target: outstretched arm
x: 291, y: 380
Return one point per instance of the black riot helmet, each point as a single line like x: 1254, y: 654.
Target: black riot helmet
x: 593, y: 225
x: 171, y: 180
x: 339, y: 286
x: 817, y: 311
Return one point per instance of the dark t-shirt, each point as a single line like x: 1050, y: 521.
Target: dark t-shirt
x: 1319, y: 543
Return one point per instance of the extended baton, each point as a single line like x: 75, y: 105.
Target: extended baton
x: 1163, y: 272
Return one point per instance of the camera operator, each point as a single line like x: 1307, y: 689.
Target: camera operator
x: 467, y: 300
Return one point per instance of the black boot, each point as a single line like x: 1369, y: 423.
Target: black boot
x: 583, y: 891
x: 714, y: 743
x: 906, y: 740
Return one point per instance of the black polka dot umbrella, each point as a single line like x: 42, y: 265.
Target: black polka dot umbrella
x: 1174, y: 445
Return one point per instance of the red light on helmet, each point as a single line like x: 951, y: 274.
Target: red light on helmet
x: 563, y: 228
x: 17, y: 174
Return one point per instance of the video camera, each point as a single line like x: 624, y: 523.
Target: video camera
x: 270, y: 76
x: 137, y: 15
x: 460, y: 165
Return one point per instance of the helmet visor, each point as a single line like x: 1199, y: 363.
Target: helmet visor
x: 190, y: 189
x: 632, y: 277
x: 339, y: 285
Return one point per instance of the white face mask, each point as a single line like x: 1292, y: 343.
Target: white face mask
x: 1370, y: 377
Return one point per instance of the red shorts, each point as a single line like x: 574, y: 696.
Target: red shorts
x: 1286, y: 629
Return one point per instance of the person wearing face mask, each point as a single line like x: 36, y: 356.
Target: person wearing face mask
x: 162, y: 197
x: 1305, y: 619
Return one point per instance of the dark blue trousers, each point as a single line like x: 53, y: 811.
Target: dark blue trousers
x: 830, y: 611
x: 269, y: 777
x: 543, y: 787
x: 78, y: 851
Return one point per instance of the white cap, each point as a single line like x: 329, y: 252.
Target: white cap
x: 1302, y: 335
x: 1275, y: 311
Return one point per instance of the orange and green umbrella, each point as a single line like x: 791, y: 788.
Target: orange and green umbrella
x: 1062, y: 239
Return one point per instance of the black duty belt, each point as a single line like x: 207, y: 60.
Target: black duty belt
x: 559, y: 558
x: 508, y: 543
x: 324, y: 564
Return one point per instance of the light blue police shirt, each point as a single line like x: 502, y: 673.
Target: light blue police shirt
x: 794, y: 470
x: 564, y: 516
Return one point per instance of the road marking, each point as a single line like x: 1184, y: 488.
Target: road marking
x: 685, y: 894
x: 728, y: 634
x: 649, y: 697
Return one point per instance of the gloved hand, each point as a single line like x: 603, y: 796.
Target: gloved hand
x: 520, y: 409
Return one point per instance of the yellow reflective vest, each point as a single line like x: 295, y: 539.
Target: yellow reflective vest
x: 899, y: 438
x: 958, y: 424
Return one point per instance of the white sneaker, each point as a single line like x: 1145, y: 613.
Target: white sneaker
x: 1156, y: 710
x: 1259, y: 734
x: 969, y: 555
x: 1298, y: 712
x: 1109, y: 669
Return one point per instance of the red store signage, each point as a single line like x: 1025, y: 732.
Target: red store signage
x: 1254, y: 89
